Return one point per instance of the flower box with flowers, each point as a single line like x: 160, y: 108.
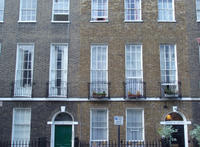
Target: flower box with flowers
x: 99, y: 94
x: 131, y: 95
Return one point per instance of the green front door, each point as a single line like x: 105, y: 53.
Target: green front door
x: 63, y: 136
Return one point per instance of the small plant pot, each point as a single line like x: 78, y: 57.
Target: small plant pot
x: 165, y: 142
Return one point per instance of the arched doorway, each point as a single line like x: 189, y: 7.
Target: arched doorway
x: 178, y: 122
x: 62, y: 130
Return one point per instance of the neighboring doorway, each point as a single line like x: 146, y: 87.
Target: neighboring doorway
x: 178, y: 137
x: 63, y: 136
x: 179, y: 122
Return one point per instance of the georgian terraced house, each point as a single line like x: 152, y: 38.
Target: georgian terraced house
x: 67, y: 67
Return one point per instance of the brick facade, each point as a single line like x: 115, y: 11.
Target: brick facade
x: 80, y: 34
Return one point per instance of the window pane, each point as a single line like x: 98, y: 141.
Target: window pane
x: 132, y: 9
x: 23, y: 81
x: 134, y: 124
x: 133, y: 60
x: 28, y: 10
x: 198, y: 9
x: 1, y: 9
x: 21, y: 126
x: 99, y: 10
x: 168, y: 64
x: 99, y: 125
x: 165, y: 10
x: 58, y: 74
x: 60, y: 10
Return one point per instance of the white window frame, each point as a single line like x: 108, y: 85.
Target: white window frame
x: 173, y: 13
x: 20, y: 13
x: 198, y: 10
x: 143, y: 126
x: 175, y: 83
x: 2, y: 10
x: 91, y: 69
x: 175, y: 53
x: 52, y: 17
x: 199, y: 52
x: 0, y: 49
x: 95, y: 18
x: 13, y: 125
x: 16, y: 68
x: 134, y: 20
x: 92, y: 109
x: 50, y: 65
x: 126, y: 68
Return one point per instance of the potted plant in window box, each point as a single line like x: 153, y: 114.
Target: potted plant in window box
x: 195, y: 134
x: 169, y: 91
x: 99, y: 94
x: 131, y: 95
x: 166, y: 135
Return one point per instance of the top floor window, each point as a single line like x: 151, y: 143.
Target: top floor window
x: 60, y: 10
x: 166, y: 10
x: 198, y: 9
x: 99, y: 10
x: 28, y: 10
x: 132, y: 10
x: 1, y: 10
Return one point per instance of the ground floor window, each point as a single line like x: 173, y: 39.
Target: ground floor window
x: 21, y: 125
x: 99, y: 127
x: 135, y: 125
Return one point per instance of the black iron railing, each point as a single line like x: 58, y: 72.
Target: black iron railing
x: 57, y: 89
x: 123, y: 144
x: 22, y: 88
x: 99, y: 90
x: 43, y: 142
x: 134, y: 89
x: 170, y: 90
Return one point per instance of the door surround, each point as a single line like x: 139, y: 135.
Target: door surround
x: 184, y: 122
x: 53, y: 122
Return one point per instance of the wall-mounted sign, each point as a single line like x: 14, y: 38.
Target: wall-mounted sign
x: 118, y: 120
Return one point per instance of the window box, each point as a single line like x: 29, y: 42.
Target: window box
x: 99, y: 94
x: 102, y: 19
x: 131, y: 95
x: 170, y: 91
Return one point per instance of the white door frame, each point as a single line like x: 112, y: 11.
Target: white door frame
x: 53, y: 123
x: 184, y: 123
